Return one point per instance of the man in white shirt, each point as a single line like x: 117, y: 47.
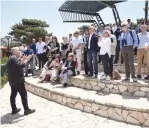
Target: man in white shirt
x: 40, y: 50
x: 142, y: 51
x: 77, y: 42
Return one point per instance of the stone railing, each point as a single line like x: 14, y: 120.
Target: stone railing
x: 111, y: 111
x: 126, y: 89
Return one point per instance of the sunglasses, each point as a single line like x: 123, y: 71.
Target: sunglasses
x: 124, y: 25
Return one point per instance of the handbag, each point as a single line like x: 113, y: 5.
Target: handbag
x: 54, y: 73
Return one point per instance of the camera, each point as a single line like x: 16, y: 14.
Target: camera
x: 124, y: 42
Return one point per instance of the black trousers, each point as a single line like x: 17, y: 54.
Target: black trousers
x: 117, y: 55
x: 41, y: 60
x: 111, y: 64
x: 23, y: 93
x: 45, y: 58
x: 85, y: 62
x: 105, y: 61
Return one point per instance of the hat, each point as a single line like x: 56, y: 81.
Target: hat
x: 76, y: 32
x: 124, y: 24
x: 91, y: 27
x: 70, y: 55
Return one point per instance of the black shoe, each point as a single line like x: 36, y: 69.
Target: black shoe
x: 89, y: 75
x: 65, y: 84
x: 78, y: 72
x: 96, y: 76
x: 147, y: 77
x: 29, y: 111
x: 139, y: 76
x: 126, y: 79
x: 16, y: 111
x: 26, y: 76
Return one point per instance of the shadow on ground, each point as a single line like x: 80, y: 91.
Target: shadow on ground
x: 11, y: 119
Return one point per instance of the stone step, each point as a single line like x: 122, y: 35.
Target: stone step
x: 121, y: 68
x: 138, y: 89
x: 112, y: 106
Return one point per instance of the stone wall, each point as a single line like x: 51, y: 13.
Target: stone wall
x: 115, y: 112
x: 126, y: 89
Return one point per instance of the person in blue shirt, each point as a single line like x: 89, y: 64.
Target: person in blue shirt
x: 33, y: 45
x: 29, y: 52
x: 128, y: 41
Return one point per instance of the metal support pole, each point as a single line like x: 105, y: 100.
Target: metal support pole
x: 118, y: 17
x: 115, y: 17
x: 146, y: 10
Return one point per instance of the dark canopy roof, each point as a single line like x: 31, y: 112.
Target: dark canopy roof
x: 86, y: 6
x: 85, y: 11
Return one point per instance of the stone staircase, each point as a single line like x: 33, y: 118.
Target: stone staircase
x: 125, y: 102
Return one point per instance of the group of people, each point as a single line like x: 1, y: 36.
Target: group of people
x: 104, y: 46
x: 63, y: 60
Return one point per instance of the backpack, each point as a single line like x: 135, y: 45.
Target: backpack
x: 133, y: 38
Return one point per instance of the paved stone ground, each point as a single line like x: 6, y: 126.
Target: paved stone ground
x: 50, y: 115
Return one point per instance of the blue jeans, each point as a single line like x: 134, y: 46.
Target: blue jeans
x: 92, y: 61
x: 31, y: 65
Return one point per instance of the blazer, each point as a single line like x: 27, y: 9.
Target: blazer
x: 72, y: 66
x: 93, y: 43
x: 15, y: 71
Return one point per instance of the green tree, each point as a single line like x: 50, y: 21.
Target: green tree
x: 28, y: 29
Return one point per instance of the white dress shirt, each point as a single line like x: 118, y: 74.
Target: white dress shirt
x: 40, y: 47
x: 105, y: 46
x: 89, y: 42
x: 76, y: 41
x: 143, y: 39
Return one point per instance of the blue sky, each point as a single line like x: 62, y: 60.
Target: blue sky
x: 13, y: 11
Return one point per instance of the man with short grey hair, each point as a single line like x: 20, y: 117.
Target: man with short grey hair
x: 15, y: 66
x: 128, y: 41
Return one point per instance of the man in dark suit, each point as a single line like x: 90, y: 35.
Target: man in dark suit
x: 92, y: 49
x: 16, y: 80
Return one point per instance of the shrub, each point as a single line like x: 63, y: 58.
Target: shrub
x: 3, y: 69
x: 4, y: 80
x: 4, y: 77
x: 4, y: 60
